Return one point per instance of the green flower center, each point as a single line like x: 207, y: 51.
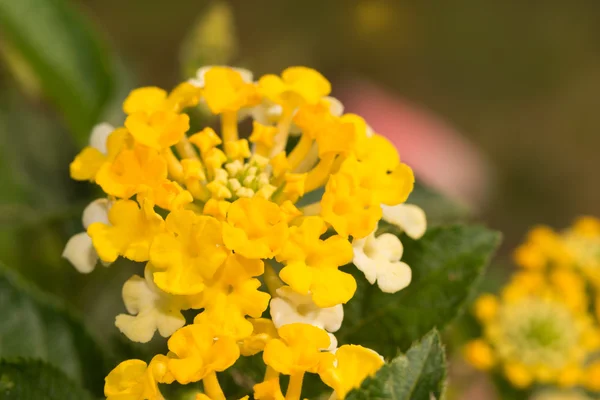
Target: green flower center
x: 537, y: 332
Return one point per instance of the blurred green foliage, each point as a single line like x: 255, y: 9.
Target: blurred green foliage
x: 64, y: 54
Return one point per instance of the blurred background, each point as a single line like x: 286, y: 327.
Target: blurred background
x: 494, y: 104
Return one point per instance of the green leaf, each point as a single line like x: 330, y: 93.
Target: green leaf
x: 420, y: 374
x: 36, y: 325
x: 35, y: 380
x: 446, y: 264
x: 64, y: 54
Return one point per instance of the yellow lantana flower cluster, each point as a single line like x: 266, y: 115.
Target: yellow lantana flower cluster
x: 541, y: 329
x: 577, y: 248
x: 214, y: 216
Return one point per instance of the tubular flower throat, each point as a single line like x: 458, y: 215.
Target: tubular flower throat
x: 209, y: 212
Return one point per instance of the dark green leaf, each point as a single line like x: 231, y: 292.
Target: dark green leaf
x: 38, y: 326
x: 36, y: 380
x: 418, y: 375
x: 63, y: 53
x: 446, y: 264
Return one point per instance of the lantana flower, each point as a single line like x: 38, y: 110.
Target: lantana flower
x: 196, y: 355
x: 209, y: 212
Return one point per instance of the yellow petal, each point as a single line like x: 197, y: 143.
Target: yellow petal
x: 86, y: 164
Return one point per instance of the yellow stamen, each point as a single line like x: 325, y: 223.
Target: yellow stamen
x: 295, y: 387
x: 229, y: 128
x: 212, y: 387
x: 300, y: 151
x: 318, y: 175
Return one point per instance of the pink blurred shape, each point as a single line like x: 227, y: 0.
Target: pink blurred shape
x: 441, y: 157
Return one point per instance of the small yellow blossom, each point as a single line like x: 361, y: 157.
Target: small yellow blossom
x: 381, y: 172
x: 195, y: 353
x: 298, y: 349
x: 314, y: 119
x: 135, y: 380
x: 129, y: 234
x: 534, y: 254
x: 297, y: 86
x: 263, y: 136
x: 188, y: 253
x: 206, y: 140
x: 168, y: 195
x: 237, y: 149
x: 255, y: 228
x: 89, y: 161
x: 290, y: 211
x: 350, y: 366
x: 232, y: 295
x: 486, y: 307
x: 311, y: 264
x: 132, y: 170
x: 216, y: 208
x: 86, y: 164
x: 268, y: 390
x: 154, y: 118
x: 280, y: 164
x: 349, y: 208
x: 336, y: 138
x: 294, y: 185
x: 159, y: 130
x: 479, y: 354
x: 225, y: 90
x: 263, y: 331
x: 518, y: 375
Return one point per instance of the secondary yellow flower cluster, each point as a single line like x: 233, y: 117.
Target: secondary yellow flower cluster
x: 542, y: 329
x: 210, y: 214
x: 576, y: 248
